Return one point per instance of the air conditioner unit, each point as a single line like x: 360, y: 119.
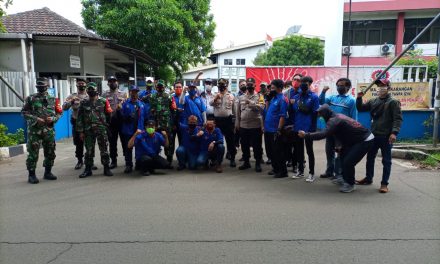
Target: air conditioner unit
x: 413, y: 47
x: 346, y: 50
x: 386, y: 49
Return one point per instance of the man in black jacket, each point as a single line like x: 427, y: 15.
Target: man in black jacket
x: 352, y: 142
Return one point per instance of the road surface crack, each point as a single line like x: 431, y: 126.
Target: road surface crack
x: 61, y: 253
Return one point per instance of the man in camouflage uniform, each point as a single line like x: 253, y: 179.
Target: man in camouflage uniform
x: 92, y: 124
x: 41, y: 113
x: 161, y: 108
x: 115, y: 98
x: 73, y: 101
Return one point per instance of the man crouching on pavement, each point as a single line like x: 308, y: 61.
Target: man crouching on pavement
x: 147, y: 146
x: 211, y: 147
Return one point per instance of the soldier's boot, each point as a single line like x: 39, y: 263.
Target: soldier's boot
x: 246, y: 165
x: 107, y: 171
x: 128, y: 169
x: 114, y: 164
x: 79, y: 164
x: 94, y: 167
x: 48, y: 175
x: 32, y: 178
x: 87, y: 172
x: 232, y: 163
x: 258, y: 166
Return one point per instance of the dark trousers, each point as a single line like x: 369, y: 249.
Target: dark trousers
x: 299, y: 145
x: 333, y: 162
x: 79, y: 144
x: 128, y: 153
x: 251, y: 137
x: 227, y: 128
x: 148, y: 163
x: 291, y: 153
x: 115, y: 128
x: 215, y: 155
x: 382, y: 143
x: 276, y: 144
x: 351, y: 156
x: 268, y: 145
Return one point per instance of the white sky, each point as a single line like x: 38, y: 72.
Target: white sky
x: 238, y: 21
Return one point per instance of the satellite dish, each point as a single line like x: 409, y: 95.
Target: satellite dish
x: 293, y: 30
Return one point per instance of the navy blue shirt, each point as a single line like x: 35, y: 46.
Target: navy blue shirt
x: 305, y: 108
x: 193, y: 107
x: 291, y: 93
x: 277, y: 109
x: 179, y: 114
x: 132, y: 114
x: 207, y: 138
x: 190, y: 141
x: 145, y: 144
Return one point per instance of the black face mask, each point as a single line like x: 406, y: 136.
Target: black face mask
x: 113, y: 86
x: 160, y: 89
x: 250, y: 89
x: 81, y: 88
x: 192, y: 126
x: 341, y: 90
x: 243, y: 88
x: 304, y: 88
x: 222, y: 88
x: 273, y: 93
x: 42, y: 89
x: 92, y: 93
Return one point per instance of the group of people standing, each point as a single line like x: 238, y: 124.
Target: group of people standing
x: 209, y: 125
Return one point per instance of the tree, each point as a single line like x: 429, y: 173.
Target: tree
x: 414, y: 57
x: 293, y: 50
x: 6, y: 4
x: 174, y: 32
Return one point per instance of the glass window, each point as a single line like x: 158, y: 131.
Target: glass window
x: 360, y: 37
x: 228, y: 61
x: 409, y: 35
x: 374, y: 37
x: 435, y: 35
x: 425, y: 38
x: 241, y: 62
x: 388, y: 36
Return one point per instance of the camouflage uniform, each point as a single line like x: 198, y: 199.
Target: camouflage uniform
x: 93, y: 118
x: 161, y: 108
x: 40, y: 105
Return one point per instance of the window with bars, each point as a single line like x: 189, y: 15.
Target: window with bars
x: 228, y: 62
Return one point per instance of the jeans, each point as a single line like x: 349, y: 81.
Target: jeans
x: 333, y: 162
x: 352, y: 155
x: 185, y: 157
x: 251, y: 137
x: 216, y: 155
x: 382, y: 143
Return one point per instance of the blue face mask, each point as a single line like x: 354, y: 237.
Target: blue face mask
x: 192, y: 93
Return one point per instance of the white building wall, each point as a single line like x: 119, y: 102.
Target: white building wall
x: 248, y: 54
x: 10, y: 56
x: 375, y: 50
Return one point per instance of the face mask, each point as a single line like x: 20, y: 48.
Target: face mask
x: 341, y: 89
x: 192, y: 93
x: 382, y: 91
x: 92, y: 93
x: 178, y: 91
x: 134, y: 95
x: 113, y: 86
x: 160, y: 89
x: 296, y: 84
x: 42, y: 89
x: 192, y: 126
x: 321, y: 119
x: 304, y: 87
x: 250, y: 89
x: 210, y: 128
x: 150, y: 130
x: 81, y: 88
x: 263, y: 90
x: 273, y: 93
x: 208, y: 87
x: 222, y: 88
x: 243, y: 88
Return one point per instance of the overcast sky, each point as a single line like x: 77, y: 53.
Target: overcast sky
x: 238, y: 21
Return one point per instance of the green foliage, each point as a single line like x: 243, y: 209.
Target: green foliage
x: 174, y: 32
x: 414, y: 57
x: 3, y: 6
x: 10, y: 139
x: 432, y: 160
x: 293, y: 50
x: 167, y: 74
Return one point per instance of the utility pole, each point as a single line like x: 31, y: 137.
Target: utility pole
x: 437, y: 102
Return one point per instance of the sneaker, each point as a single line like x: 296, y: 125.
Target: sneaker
x: 338, y: 181
x: 383, y: 189
x: 298, y: 175
x: 347, y: 188
x: 311, y: 178
x: 289, y: 164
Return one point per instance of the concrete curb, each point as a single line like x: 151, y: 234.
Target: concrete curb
x: 9, y: 152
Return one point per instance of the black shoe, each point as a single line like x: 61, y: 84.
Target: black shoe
x: 258, y: 167
x: 245, y: 166
x: 325, y: 175
x: 295, y: 169
x: 48, y: 174
x: 232, y: 164
x: 228, y: 156
x: 113, y: 165
x: 269, y: 161
x: 79, y: 165
x: 94, y: 167
x: 181, y: 167
x: 289, y: 164
x: 32, y: 178
x: 107, y: 171
x: 87, y: 172
x: 280, y: 175
x: 146, y: 173
x: 271, y: 172
x: 128, y: 169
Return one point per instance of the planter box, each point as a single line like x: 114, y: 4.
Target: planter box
x: 9, y: 152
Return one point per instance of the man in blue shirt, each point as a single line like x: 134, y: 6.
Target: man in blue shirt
x: 342, y: 103
x: 132, y: 114
x: 177, y: 115
x: 192, y: 104
x: 273, y: 124
x: 190, y: 147
x: 211, y: 146
x: 290, y: 94
x: 145, y: 94
x: 305, y: 106
x: 148, y: 145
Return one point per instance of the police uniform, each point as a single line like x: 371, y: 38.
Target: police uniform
x: 132, y: 114
x: 115, y: 98
x: 41, y: 111
x: 93, y: 118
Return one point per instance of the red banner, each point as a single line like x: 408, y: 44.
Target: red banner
x: 322, y: 76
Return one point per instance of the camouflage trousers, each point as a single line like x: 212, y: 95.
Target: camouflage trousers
x: 35, y: 139
x: 89, y: 141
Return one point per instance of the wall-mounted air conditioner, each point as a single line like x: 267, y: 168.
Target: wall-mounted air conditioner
x: 386, y: 49
x: 346, y: 50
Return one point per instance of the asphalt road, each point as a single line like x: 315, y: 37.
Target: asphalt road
x: 205, y: 217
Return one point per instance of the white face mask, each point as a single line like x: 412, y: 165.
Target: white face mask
x: 381, y: 91
x: 208, y: 88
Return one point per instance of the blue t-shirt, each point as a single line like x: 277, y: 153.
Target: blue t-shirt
x: 146, y: 92
x: 193, y: 107
x: 190, y: 141
x: 277, y: 109
x: 341, y: 104
x: 179, y: 106
x: 207, y: 138
x: 305, y: 108
x: 132, y: 116
x: 145, y: 144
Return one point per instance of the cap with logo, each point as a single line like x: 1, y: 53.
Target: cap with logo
x: 160, y: 83
x: 208, y: 80
x: 192, y: 84
x: 222, y: 81
x: 42, y: 82
x: 263, y: 84
x: 133, y: 88
x: 385, y: 82
x: 91, y: 86
x: 112, y: 78
x: 250, y: 80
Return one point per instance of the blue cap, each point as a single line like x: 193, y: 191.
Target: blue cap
x: 133, y: 88
x: 191, y: 84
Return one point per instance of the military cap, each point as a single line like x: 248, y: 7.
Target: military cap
x: 112, y: 78
x: 222, y: 80
x: 250, y: 80
x: 263, y: 84
x: 151, y: 122
x: 80, y: 80
x: 42, y: 81
x: 161, y: 82
x: 191, y: 84
x: 208, y: 80
x: 91, y: 86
